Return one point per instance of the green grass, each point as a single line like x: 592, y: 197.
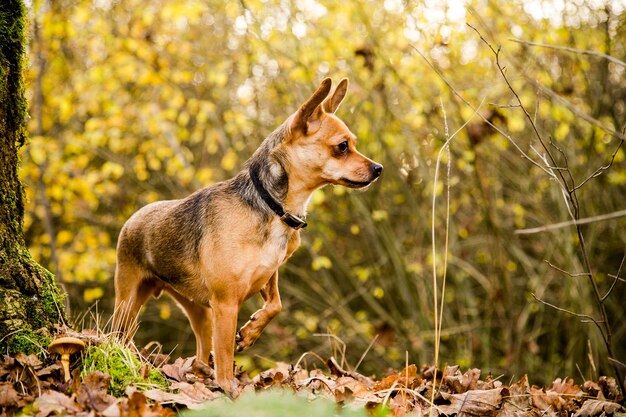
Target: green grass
x: 279, y: 403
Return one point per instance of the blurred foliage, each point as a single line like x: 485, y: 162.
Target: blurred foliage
x: 136, y: 101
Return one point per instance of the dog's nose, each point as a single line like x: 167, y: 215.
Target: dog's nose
x: 377, y: 169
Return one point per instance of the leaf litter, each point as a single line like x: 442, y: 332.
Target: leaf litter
x: 32, y: 386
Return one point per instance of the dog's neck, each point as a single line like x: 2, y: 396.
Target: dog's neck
x: 280, y: 193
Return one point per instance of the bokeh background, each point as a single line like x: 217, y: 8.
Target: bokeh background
x: 135, y: 101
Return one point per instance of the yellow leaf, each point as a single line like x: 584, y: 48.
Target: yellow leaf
x: 165, y: 311
x: 229, y: 160
x: 92, y: 294
x: 64, y: 236
x: 321, y: 262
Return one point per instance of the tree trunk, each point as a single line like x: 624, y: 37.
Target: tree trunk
x: 30, y: 303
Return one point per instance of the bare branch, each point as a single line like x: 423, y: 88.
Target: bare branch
x: 470, y: 105
x: 573, y: 50
x: 585, y: 317
x: 619, y: 271
x: 577, y: 274
x: 586, y: 220
x: 502, y: 69
x: 600, y: 170
x: 571, y: 107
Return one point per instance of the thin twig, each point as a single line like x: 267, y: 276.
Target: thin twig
x: 578, y: 274
x: 586, y: 220
x: 439, y: 313
x: 571, y: 107
x: 571, y: 196
x: 600, y: 170
x: 564, y: 310
x: 471, y: 106
x: 502, y: 71
x: 619, y: 271
x: 366, y: 352
x: 573, y: 50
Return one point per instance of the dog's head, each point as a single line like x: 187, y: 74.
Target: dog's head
x: 323, y: 146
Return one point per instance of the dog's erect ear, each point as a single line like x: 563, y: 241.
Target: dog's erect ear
x: 331, y: 104
x: 306, y: 119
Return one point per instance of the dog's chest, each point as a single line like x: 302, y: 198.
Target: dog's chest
x: 274, y: 247
x: 271, y: 254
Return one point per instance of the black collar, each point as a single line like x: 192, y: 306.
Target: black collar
x: 289, y: 219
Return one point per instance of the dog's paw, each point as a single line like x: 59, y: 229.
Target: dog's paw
x: 230, y: 388
x: 245, y: 338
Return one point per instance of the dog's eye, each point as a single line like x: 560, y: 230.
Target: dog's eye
x: 343, y: 146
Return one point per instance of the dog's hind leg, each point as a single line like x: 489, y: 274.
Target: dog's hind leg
x: 200, y: 318
x: 131, y: 292
x: 251, y: 331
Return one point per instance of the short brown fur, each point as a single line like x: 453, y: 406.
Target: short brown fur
x: 219, y: 246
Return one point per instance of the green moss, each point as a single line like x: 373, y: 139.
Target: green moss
x: 121, y: 363
x: 12, y: 58
x: 29, y: 342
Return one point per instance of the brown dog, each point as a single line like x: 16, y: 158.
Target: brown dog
x: 216, y: 248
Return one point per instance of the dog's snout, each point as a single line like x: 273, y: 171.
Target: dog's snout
x: 377, y: 169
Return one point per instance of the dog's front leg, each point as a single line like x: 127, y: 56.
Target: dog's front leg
x: 224, y: 328
x: 251, y: 331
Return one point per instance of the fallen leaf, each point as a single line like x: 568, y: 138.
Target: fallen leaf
x: 407, y: 378
x: 8, y: 395
x: 92, y: 392
x: 519, y: 394
x: 192, y: 396
x: 179, y: 369
x: 565, y: 386
x: 202, y: 370
x: 137, y: 406
x: 55, y: 402
x: 28, y: 360
x: 459, y: 383
x: 591, y: 408
x: 474, y: 403
x: 49, y: 370
x: 609, y: 388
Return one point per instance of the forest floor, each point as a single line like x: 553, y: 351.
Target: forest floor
x: 30, y: 385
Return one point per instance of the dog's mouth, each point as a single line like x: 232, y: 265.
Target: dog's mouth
x: 354, y: 184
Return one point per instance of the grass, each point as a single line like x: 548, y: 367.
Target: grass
x: 123, y: 365
x: 279, y: 403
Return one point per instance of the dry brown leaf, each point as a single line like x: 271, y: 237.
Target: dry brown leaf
x: 28, y: 360
x: 593, y: 388
x: 337, y: 370
x: 202, y: 370
x: 92, y: 392
x: 179, y: 369
x: 192, y: 396
x: 49, y: 370
x: 406, y: 378
x: 565, y: 386
x: 519, y: 395
x: 8, y: 395
x: 610, y: 389
x: 474, y: 403
x: 591, y: 408
x: 459, y: 383
x: 275, y: 376
x: 55, y: 402
x: 137, y: 406
x: 348, y: 388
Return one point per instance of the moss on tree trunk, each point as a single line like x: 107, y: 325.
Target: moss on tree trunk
x: 30, y: 303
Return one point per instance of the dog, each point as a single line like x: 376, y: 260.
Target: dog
x: 224, y: 243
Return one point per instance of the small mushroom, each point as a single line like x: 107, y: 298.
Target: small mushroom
x: 65, y: 346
